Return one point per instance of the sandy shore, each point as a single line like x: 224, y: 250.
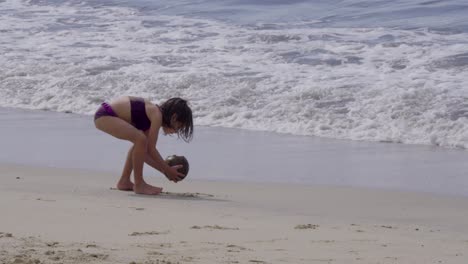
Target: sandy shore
x: 51, y: 215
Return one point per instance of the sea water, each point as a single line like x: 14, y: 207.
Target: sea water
x: 392, y: 71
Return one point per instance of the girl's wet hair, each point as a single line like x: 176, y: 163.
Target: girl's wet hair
x: 183, y: 113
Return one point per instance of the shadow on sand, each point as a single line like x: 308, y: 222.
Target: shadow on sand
x: 183, y: 196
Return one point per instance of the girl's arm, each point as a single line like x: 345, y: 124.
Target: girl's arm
x: 155, y: 117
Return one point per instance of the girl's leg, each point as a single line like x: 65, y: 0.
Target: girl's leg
x: 128, y: 168
x: 125, y: 184
x: 138, y: 158
x: 123, y: 130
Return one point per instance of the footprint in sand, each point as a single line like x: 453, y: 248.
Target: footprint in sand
x: 45, y: 200
x: 236, y: 249
x: 188, y: 195
x: 215, y: 227
x: 321, y: 260
x: 52, y: 244
x: 78, y: 256
x: 157, y: 261
x: 256, y: 261
x: 5, y: 235
x: 155, y: 253
x: 137, y: 208
x: 23, y: 259
x: 326, y: 241
x: 307, y: 226
x: 150, y: 233
x: 271, y: 240
x: 49, y: 253
x: 388, y: 227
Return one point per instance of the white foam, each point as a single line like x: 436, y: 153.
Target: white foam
x: 366, y: 84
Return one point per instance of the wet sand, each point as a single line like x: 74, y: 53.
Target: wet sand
x: 62, y: 140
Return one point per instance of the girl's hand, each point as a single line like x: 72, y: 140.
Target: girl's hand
x: 173, y: 175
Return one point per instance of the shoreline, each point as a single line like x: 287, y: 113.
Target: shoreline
x: 63, y: 140
x: 240, y: 130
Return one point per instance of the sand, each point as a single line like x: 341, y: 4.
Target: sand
x: 55, y: 215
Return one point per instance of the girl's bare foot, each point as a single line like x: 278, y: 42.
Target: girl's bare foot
x: 125, y: 185
x: 144, y: 188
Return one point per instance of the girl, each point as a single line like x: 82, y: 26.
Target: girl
x: 139, y: 121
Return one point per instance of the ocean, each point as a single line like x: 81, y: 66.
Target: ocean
x: 389, y: 71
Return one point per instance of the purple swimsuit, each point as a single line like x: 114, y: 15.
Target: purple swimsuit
x: 104, y: 110
x: 140, y: 119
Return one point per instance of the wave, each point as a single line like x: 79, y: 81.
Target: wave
x: 379, y: 84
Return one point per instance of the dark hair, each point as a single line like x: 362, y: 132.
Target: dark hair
x: 183, y: 112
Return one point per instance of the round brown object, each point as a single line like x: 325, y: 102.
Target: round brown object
x: 174, y: 160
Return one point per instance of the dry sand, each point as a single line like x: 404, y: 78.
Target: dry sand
x: 51, y: 215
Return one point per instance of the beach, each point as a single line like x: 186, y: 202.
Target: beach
x: 74, y: 216
x: 324, y: 131
x: 61, y: 206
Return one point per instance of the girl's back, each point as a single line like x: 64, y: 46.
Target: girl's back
x: 122, y: 107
